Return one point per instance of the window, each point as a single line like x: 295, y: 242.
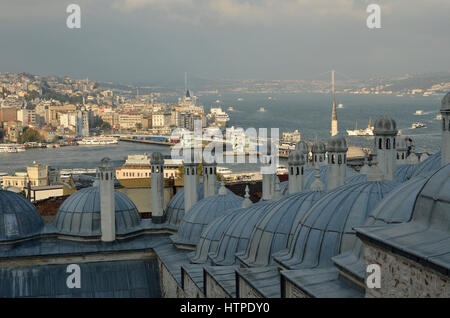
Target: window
x: 380, y: 145
x: 333, y: 159
x: 292, y: 171
x: 443, y: 124
x: 339, y: 159
x: 298, y: 172
x: 388, y: 143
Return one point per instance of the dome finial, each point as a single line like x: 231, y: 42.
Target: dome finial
x: 277, y: 192
x: 317, y: 185
x: 222, y: 190
x: 247, y: 202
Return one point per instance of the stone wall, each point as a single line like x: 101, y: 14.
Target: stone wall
x: 191, y: 290
x: 246, y: 290
x: 214, y: 290
x: 169, y: 286
x: 292, y: 291
x: 402, y: 277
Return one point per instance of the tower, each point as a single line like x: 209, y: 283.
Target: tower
x: 157, y: 179
x: 337, y: 161
x: 268, y: 175
x: 209, y: 178
x: 385, y: 130
x: 334, y: 120
x: 190, y: 180
x: 445, y: 112
x: 296, y: 170
x: 402, y: 151
x: 107, y: 208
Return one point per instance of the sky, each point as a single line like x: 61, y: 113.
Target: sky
x: 156, y: 41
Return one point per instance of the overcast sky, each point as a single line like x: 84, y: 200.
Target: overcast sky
x: 153, y: 41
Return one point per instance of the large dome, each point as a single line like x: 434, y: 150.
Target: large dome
x: 174, y: 212
x: 79, y: 215
x: 228, y: 235
x: 18, y: 217
x: 274, y: 230
x: 327, y: 229
x: 202, y: 214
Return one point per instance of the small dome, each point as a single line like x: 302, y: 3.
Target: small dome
x: 318, y: 147
x: 174, y: 212
x: 79, y: 215
x: 274, y: 230
x: 302, y: 147
x: 430, y: 164
x: 156, y: 158
x: 337, y: 144
x: 213, y: 235
x: 445, y: 105
x: 296, y: 158
x: 327, y: 229
x: 202, y: 214
x: 385, y: 126
x: 106, y: 163
x: 18, y: 217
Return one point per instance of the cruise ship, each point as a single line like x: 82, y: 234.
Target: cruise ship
x: 98, y: 141
x: 11, y: 148
x: 362, y: 132
x: 220, y: 117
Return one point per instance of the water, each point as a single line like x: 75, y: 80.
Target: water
x: 309, y: 113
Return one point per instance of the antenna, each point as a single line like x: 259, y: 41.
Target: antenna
x: 185, y: 81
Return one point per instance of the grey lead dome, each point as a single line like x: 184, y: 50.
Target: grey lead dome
x: 18, y: 217
x: 337, y: 144
x: 385, y: 126
x: 79, y: 215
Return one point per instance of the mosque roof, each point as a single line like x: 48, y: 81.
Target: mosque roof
x: 327, y: 229
x: 427, y: 236
x: 202, y: 214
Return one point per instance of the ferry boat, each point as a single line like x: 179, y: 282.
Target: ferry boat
x: 99, y: 141
x: 11, y: 148
x: 419, y: 112
x: 362, y: 132
x: 418, y: 125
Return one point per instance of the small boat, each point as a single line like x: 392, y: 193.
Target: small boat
x: 418, y: 125
x: 230, y: 108
x: 438, y: 117
x: 223, y: 170
x: 217, y: 100
x: 261, y: 109
x: 418, y: 112
x: 240, y: 99
x: 340, y: 105
x: 269, y: 98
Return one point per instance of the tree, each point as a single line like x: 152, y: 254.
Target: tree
x: 138, y: 126
x: 30, y: 135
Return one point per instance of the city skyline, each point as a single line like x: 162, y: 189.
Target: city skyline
x: 151, y: 41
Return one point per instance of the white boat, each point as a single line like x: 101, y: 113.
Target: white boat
x: 261, y: 109
x: 11, y: 148
x: 240, y: 99
x: 230, y: 109
x: 418, y: 125
x: 224, y: 170
x: 340, y: 105
x: 418, y: 112
x: 438, y: 117
x: 362, y: 132
x: 98, y: 141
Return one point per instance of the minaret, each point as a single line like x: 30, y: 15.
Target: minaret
x: 209, y: 178
x: 337, y: 161
x: 445, y: 112
x: 385, y: 130
x: 296, y: 171
x: 334, y: 120
x: 190, y: 181
x: 107, y: 208
x: 157, y: 179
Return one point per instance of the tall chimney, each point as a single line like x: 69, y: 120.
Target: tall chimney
x: 157, y: 179
x: 337, y: 161
x: 385, y: 131
x: 190, y: 181
x: 107, y: 208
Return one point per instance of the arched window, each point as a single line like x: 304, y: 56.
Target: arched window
x: 187, y: 171
x: 292, y: 171
x: 106, y: 175
x: 333, y: 159
x: 403, y: 156
x: 393, y: 143
x: 298, y: 172
x: 211, y: 170
x: 315, y: 158
x: 388, y: 143
x: 339, y: 159
x: 443, y: 123
x: 193, y: 171
x: 398, y: 156
x: 302, y: 170
x: 380, y: 144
